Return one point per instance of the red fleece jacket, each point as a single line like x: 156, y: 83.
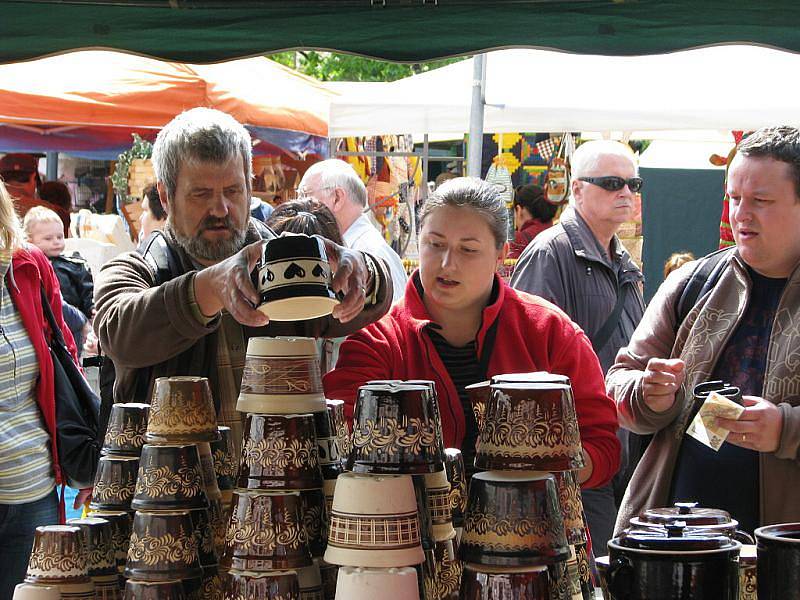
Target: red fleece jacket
x: 29, y: 269
x: 532, y: 335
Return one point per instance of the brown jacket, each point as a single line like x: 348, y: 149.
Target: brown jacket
x: 699, y: 341
x: 141, y: 325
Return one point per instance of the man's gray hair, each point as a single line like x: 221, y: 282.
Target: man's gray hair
x: 200, y: 135
x: 471, y: 192
x: 334, y: 173
x: 585, y: 158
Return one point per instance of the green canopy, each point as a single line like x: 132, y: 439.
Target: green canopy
x: 201, y: 31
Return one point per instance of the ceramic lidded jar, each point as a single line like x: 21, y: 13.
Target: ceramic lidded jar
x: 709, y: 520
x: 778, y: 561
x: 280, y: 453
x: 181, y: 411
x: 395, y: 431
x: 513, y: 519
x: 126, y: 429
x: 530, y: 426
x: 293, y: 279
x: 281, y: 376
x: 170, y: 477
x: 266, y: 532
x: 374, y: 522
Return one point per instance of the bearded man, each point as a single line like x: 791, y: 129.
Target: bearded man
x: 186, y: 305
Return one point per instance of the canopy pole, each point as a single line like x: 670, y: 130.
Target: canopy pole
x: 475, y: 150
x: 52, y: 166
x: 425, y: 165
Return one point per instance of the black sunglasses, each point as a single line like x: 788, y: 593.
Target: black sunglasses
x: 612, y: 183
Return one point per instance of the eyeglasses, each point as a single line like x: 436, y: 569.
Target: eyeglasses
x: 612, y: 183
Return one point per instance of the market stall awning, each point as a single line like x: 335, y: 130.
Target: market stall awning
x: 725, y: 87
x: 407, y: 30
x: 89, y: 102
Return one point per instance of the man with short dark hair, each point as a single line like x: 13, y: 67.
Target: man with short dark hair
x: 581, y: 266
x: 745, y: 331
x: 196, y: 319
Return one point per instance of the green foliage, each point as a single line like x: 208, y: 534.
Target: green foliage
x: 140, y: 149
x: 332, y: 66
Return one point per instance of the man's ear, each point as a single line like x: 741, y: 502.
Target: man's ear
x: 162, y: 196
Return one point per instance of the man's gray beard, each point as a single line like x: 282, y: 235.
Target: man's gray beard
x: 206, y: 250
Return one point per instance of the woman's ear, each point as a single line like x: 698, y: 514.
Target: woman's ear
x: 503, y: 254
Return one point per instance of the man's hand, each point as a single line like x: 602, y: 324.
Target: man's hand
x: 758, y: 428
x: 350, y: 276
x: 227, y: 285
x: 82, y: 498
x: 661, y: 381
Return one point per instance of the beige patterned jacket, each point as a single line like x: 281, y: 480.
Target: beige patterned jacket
x: 699, y: 341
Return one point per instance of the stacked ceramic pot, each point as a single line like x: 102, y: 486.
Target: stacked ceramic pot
x: 225, y: 457
x: 278, y: 514
x: 98, y: 536
x: 515, y: 542
x: 115, y: 482
x: 172, y: 539
x: 380, y: 522
x: 59, y: 559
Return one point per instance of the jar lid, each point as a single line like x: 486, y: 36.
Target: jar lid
x: 688, y: 512
x: 674, y: 537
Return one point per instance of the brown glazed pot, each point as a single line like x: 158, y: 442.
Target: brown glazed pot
x: 448, y: 570
x: 339, y: 422
x: 779, y: 561
x: 58, y: 556
x: 456, y: 475
x: 225, y: 464
x: 327, y: 438
x: 572, y: 578
x: 513, y: 520
x: 170, y: 478
x: 394, y: 431
x: 530, y: 426
x: 181, y: 411
x: 98, y: 537
x: 204, y: 536
x: 282, y: 585
x: 266, y: 532
x: 126, y: 429
x: 207, y: 470
x: 310, y: 583
x: 329, y: 574
x: 431, y: 385
x: 163, y: 547
x: 121, y: 523
x: 279, y: 453
x: 569, y: 497
x: 212, y: 587
x: 115, y: 483
x: 154, y: 590
x: 438, y: 492
x: 478, y: 394
x: 530, y: 584
x: 315, y: 520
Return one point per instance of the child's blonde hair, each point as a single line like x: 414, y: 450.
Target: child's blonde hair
x: 36, y: 215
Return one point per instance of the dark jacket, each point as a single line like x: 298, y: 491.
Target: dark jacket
x: 77, y: 287
x: 529, y: 230
x: 566, y: 265
x: 150, y: 330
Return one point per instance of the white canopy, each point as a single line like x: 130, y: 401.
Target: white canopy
x: 722, y: 87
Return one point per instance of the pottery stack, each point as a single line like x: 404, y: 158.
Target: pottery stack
x: 380, y: 524
x: 172, y: 538
x: 275, y: 537
x: 516, y: 540
x: 100, y: 554
x: 59, y: 559
x: 117, y: 470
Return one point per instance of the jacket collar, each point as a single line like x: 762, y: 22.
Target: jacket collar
x: 414, y: 311
x: 585, y: 245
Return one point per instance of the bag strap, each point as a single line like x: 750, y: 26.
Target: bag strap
x: 488, y: 346
x: 602, y: 335
x: 703, y: 278
x: 56, y: 336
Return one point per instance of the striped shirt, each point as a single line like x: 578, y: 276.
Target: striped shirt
x: 26, y: 469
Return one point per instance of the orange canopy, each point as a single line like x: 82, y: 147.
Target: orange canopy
x: 101, y: 89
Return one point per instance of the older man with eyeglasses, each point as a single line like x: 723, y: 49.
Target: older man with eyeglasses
x: 581, y: 266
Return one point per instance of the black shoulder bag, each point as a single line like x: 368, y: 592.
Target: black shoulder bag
x: 77, y: 411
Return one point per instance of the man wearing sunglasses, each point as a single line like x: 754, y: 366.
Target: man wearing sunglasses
x: 581, y: 266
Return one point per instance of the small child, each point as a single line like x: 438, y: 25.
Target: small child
x: 44, y: 229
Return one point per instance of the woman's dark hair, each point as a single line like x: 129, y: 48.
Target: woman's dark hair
x: 531, y: 198
x: 305, y: 216
x: 56, y: 192
x: 154, y: 202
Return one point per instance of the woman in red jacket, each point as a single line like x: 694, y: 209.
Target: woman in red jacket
x: 459, y: 323
x: 29, y: 470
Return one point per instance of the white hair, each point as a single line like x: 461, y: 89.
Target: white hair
x: 585, y: 158
x: 334, y: 173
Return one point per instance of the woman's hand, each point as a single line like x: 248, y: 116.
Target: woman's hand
x: 758, y: 428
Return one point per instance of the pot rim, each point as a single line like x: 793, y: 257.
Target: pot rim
x: 734, y: 547
x: 763, y: 533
